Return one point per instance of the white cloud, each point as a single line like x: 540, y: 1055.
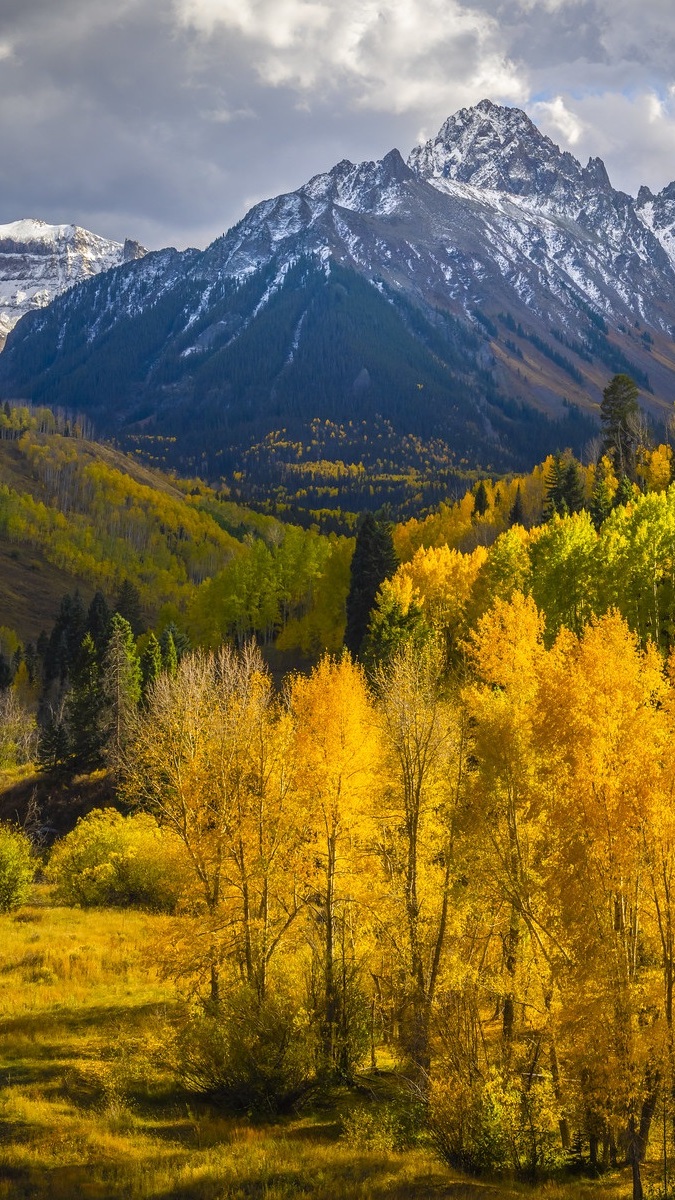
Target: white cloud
x: 554, y: 116
x: 388, y: 55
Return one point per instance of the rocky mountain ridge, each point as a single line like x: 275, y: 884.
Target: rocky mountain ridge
x: 38, y: 261
x: 518, y: 281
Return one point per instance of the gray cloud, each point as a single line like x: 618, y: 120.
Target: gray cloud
x: 165, y: 119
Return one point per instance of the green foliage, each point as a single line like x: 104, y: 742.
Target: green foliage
x: 151, y: 662
x: 85, y: 715
x: 619, y: 411
x: 374, y: 561
x: 388, y: 1125
x: 121, y: 686
x: 256, y: 1055
x: 17, y: 868
x: 113, y: 860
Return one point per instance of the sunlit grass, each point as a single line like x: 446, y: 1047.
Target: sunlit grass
x: 89, y: 1107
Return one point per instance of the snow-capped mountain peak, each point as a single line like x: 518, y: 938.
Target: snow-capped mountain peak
x: 491, y: 146
x: 39, y: 260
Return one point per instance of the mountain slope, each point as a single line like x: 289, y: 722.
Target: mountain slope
x: 470, y: 295
x: 39, y: 261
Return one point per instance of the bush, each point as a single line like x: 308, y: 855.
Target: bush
x: 17, y: 868
x: 18, y: 731
x: 395, y: 1125
x: 495, y: 1125
x: 113, y: 860
x: 257, y: 1056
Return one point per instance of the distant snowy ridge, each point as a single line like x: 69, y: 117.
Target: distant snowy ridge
x: 39, y: 261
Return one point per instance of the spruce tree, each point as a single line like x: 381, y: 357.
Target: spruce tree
x: 85, y: 710
x: 374, y: 561
x: 151, y: 663
x: 121, y: 685
x: 128, y: 605
x: 98, y: 623
x: 480, y: 500
x: 517, y: 513
x: 619, y: 411
x: 167, y: 647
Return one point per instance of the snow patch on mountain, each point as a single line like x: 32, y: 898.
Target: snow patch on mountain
x: 38, y: 261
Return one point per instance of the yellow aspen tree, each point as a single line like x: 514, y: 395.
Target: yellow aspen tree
x: 419, y: 815
x: 338, y: 748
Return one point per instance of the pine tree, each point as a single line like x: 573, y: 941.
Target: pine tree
x: 128, y: 605
x: 555, y: 503
x: 517, y: 513
x: 121, y: 686
x: 54, y: 745
x: 619, y: 412
x: 151, y: 663
x: 480, y: 500
x: 98, y: 623
x: 374, y: 561
x: 85, y: 709
x: 167, y: 647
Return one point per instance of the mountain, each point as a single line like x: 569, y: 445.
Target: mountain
x: 39, y: 261
x: 475, y: 298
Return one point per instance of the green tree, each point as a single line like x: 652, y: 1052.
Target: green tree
x: 517, y: 513
x: 374, y: 561
x: 98, y: 623
x: 620, y: 412
x: 121, y: 686
x: 128, y: 605
x: 601, y: 498
x: 151, y: 663
x: 85, y: 709
x: 167, y: 648
x: 480, y: 500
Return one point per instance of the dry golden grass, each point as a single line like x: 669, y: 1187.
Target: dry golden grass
x: 89, y: 1109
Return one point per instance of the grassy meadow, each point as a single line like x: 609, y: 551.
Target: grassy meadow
x: 90, y: 1107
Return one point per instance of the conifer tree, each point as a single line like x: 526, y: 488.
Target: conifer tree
x: 121, y: 686
x: 619, y: 412
x: 167, y: 648
x: 517, y: 513
x: 128, y: 605
x: 84, y: 709
x: 480, y: 500
x: 98, y: 623
x: 151, y: 663
x: 374, y: 561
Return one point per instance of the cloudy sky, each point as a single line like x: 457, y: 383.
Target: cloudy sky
x: 164, y: 120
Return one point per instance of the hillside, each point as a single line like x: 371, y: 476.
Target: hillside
x: 79, y: 514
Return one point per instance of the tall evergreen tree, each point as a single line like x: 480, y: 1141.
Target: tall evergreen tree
x: 619, y: 412
x: 85, y: 709
x: 98, y: 623
x: 480, y: 500
x: 128, y: 605
x: 517, y: 513
x: 151, y: 663
x: 374, y: 561
x: 167, y: 648
x: 121, y: 686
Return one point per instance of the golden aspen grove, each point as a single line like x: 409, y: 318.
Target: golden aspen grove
x: 281, y: 919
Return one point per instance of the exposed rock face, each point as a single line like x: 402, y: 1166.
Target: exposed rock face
x: 557, y: 279
x: 38, y: 261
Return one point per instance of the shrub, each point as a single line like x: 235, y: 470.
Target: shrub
x: 17, y: 868
x: 494, y: 1124
x: 256, y: 1055
x: 113, y: 860
x: 394, y: 1125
